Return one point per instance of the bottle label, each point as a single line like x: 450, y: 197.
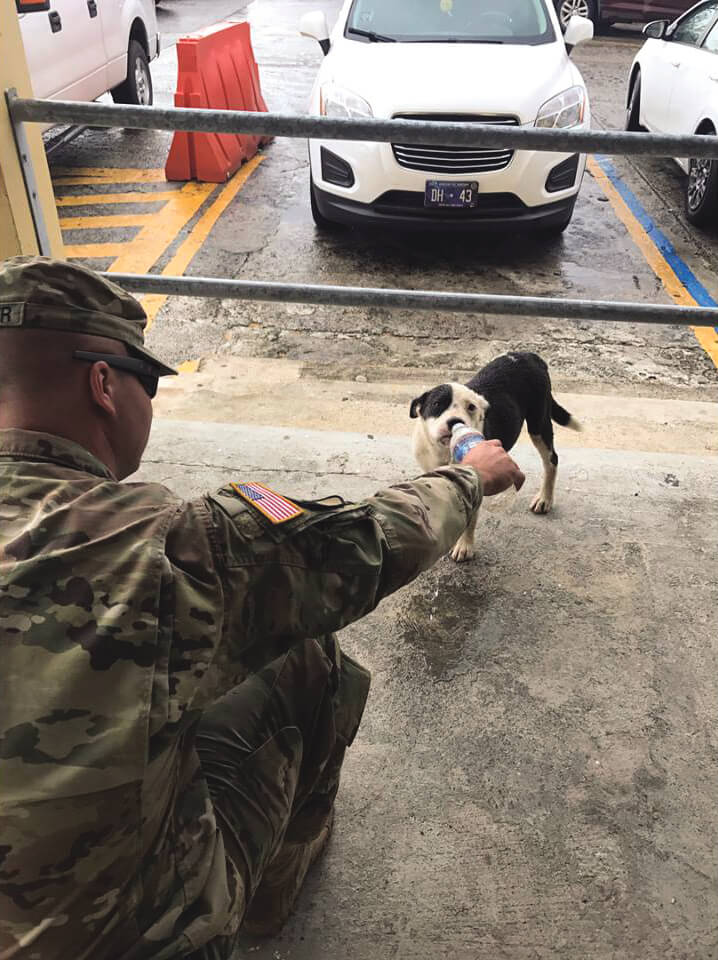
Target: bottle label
x: 464, y: 444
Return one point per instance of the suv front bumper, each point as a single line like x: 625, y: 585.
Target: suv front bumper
x: 405, y: 209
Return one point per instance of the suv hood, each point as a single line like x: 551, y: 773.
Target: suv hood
x: 396, y: 78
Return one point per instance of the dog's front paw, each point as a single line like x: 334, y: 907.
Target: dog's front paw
x: 462, y: 551
x: 541, y: 503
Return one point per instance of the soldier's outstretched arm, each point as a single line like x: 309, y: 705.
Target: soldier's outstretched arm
x: 330, y: 563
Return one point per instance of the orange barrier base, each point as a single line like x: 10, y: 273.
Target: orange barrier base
x: 217, y: 71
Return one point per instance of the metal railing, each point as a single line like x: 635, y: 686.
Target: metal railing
x: 490, y: 303
x: 419, y: 132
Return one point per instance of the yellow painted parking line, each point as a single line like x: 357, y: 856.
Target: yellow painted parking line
x: 708, y: 339
x: 192, y: 243
x: 85, y: 181
x: 145, y: 249
x: 90, y: 250
x: 91, y: 199
x: 158, y: 229
x: 110, y: 220
x: 706, y: 336
x: 673, y: 286
x: 67, y: 176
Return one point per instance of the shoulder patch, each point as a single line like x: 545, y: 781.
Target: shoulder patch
x: 274, y: 507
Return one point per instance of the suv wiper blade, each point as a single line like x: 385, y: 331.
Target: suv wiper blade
x: 370, y: 35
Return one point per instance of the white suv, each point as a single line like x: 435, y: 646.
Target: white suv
x: 80, y: 49
x: 489, y: 61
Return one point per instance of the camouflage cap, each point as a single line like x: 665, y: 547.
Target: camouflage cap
x: 39, y: 293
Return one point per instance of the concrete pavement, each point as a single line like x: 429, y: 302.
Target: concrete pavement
x: 535, y: 774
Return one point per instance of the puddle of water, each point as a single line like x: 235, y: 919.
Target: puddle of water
x: 441, y: 616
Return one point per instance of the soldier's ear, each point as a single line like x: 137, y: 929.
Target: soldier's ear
x: 416, y: 405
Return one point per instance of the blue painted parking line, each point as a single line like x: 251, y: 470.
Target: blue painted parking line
x: 664, y: 245
x: 678, y: 280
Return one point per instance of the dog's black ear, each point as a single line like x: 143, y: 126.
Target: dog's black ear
x: 416, y: 405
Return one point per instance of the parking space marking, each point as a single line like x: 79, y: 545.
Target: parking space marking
x: 83, y: 176
x: 192, y: 243
x: 158, y: 229
x: 145, y: 249
x: 105, y: 220
x: 93, y: 199
x: 678, y: 280
x: 90, y: 251
x: 138, y: 253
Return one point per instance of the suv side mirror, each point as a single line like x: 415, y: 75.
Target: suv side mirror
x: 314, y: 25
x: 656, y: 29
x: 579, y: 30
x: 32, y: 6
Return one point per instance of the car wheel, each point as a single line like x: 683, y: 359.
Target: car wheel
x: 319, y: 219
x: 702, y: 192
x: 575, y: 8
x: 633, y: 111
x: 137, y: 88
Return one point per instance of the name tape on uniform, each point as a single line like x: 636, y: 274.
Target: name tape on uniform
x: 274, y: 506
x: 11, y: 314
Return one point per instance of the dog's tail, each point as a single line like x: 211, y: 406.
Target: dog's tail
x: 562, y: 417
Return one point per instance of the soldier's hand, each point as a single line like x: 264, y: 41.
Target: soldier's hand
x: 495, y: 467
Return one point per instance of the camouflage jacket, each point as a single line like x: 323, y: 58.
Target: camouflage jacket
x: 122, y: 611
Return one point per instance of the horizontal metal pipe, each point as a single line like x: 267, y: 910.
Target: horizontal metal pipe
x: 416, y: 299
x: 420, y: 132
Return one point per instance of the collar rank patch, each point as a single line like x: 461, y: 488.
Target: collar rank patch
x: 275, y: 507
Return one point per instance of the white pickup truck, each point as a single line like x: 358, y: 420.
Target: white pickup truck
x: 80, y: 49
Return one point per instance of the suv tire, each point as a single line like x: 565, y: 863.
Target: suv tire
x: 137, y: 88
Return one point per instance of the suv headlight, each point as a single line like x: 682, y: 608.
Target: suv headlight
x: 566, y: 109
x: 338, y: 102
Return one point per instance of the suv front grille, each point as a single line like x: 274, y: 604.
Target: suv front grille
x: 453, y: 159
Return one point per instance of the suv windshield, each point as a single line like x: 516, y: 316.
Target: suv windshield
x: 449, y: 21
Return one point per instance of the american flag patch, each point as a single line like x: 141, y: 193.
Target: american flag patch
x: 275, y: 507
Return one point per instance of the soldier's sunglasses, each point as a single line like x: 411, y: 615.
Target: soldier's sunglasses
x: 144, y: 371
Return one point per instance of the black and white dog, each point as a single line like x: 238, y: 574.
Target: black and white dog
x: 507, y: 391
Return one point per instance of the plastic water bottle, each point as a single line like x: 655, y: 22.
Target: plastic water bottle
x: 463, y: 438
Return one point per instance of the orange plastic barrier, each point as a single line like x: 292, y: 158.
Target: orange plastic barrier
x: 216, y: 70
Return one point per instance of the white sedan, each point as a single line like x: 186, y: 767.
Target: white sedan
x: 673, y: 88
x: 500, y: 62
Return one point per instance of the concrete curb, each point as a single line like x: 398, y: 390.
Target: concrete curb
x: 191, y: 456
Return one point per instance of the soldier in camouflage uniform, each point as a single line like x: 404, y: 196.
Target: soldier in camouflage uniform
x: 175, y: 709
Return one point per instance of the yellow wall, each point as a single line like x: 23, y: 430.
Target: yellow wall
x: 17, y: 232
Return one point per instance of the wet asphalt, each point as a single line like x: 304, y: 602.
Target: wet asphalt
x: 267, y: 233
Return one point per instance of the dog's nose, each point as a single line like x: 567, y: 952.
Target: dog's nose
x: 452, y: 423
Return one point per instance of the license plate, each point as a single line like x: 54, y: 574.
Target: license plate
x: 451, y: 193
